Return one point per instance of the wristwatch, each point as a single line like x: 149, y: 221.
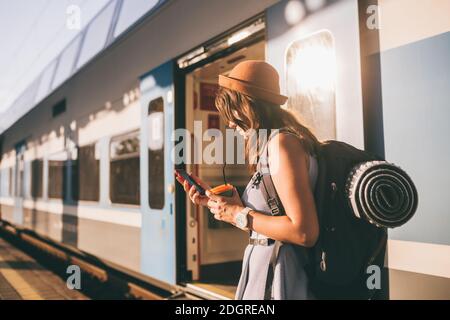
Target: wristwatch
x: 241, y: 218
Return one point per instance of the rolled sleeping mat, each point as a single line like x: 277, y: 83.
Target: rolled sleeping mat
x: 381, y: 193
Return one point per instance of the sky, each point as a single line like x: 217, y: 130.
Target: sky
x: 33, y: 32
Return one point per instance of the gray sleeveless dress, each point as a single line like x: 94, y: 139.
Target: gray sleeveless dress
x: 289, y: 281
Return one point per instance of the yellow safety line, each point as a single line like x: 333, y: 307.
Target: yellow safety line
x: 26, y: 291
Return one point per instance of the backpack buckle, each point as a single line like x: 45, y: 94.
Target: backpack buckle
x: 257, y: 178
x: 323, y: 261
x: 273, y: 205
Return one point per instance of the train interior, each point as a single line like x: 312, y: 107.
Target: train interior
x: 214, y: 248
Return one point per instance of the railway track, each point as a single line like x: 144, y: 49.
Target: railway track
x: 100, y: 279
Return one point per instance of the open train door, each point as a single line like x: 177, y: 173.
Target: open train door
x: 157, y: 178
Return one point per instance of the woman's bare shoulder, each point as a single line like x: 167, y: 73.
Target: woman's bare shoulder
x: 283, y: 142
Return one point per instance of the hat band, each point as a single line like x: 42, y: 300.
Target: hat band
x: 251, y: 90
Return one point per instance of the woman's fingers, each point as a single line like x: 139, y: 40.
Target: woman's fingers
x: 214, y: 197
x: 194, y: 195
x: 191, y: 192
x: 215, y: 209
x: 213, y: 204
x: 186, y: 186
x: 197, y: 199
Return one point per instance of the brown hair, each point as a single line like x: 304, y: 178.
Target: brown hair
x: 251, y: 113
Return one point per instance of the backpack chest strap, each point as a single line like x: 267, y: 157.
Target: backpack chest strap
x: 270, y: 194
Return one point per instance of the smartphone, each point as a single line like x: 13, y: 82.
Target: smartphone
x: 185, y: 176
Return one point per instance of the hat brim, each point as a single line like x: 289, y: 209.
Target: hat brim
x: 251, y: 90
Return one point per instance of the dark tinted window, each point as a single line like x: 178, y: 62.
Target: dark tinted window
x: 37, y: 167
x: 156, y: 153
x: 86, y: 175
x: 59, y: 108
x: 56, y: 169
x: 124, y: 169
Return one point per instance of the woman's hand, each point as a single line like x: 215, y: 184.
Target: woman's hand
x: 225, y: 208
x: 193, y: 194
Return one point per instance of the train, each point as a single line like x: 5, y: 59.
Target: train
x: 90, y: 164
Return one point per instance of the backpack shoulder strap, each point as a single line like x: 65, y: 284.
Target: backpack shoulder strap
x: 263, y: 173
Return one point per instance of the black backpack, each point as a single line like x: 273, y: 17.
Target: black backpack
x: 347, y: 245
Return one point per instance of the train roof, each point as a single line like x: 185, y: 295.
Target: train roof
x: 108, y: 26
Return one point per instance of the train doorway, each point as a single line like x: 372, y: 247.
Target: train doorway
x: 158, y: 251
x: 214, y: 249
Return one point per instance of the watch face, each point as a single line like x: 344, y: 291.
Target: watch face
x: 241, y: 220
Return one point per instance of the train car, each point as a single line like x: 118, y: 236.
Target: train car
x: 91, y: 164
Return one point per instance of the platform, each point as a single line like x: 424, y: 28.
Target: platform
x: 22, y: 278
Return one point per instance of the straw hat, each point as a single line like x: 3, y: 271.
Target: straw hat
x: 255, y: 78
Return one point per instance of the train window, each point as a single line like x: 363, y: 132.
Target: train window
x: 56, y: 181
x: 86, y: 174
x: 310, y: 81
x: 37, y: 167
x: 156, y: 153
x: 124, y: 169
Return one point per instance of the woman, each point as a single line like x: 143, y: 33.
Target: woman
x: 249, y: 99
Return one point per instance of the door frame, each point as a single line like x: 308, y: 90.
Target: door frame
x: 158, y: 224
x: 183, y: 274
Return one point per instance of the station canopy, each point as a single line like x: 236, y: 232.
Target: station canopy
x: 113, y: 20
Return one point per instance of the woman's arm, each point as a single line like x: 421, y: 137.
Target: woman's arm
x: 289, y: 171
x: 290, y: 177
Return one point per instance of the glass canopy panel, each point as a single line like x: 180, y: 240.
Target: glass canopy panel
x: 66, y: 62
x: 46, y: 79
x: 131, y: 11
x: 96, y: 34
